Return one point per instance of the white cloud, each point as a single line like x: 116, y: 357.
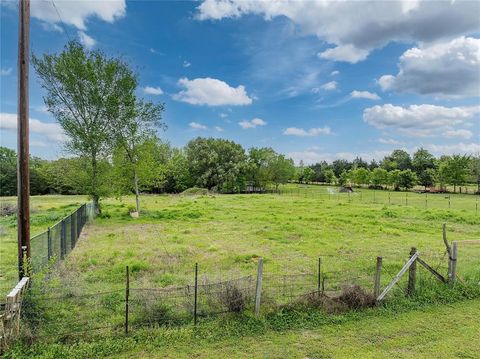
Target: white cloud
x: 329, y: 86
x: 334, y: 73
x: 459, y: 133
x: 5, y: 72
x: 41, y: 109
x: 51, y: 131
x: 211, y: 92
x: 86, y: 40
x: 467, y: 148
x: 156, y: 52
x: 218, y: 128
x: 252, y: 123
x: 152, y: 90
x: 364, y: 94
x: 77, y: 13
x: 419, y: 120
x: 223, y: 115
x: 197, y: 126
x: 358, y: 27
x: 186, y: 63
x: 346, y: 53
x: 442, y: 69
x: 294, y: 131
x: 389, y: 141
x: 310, y: 157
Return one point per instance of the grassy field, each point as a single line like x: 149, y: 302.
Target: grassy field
x: 226, y: 234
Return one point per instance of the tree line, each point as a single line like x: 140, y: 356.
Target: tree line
x: 398, y: 170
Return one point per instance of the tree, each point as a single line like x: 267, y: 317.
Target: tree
x: 8, y: 172
x: 407, y: 179
x: 177, y: 175
x: 360, y: 176
x: 427, y: 177
x: 398, y: 159
x: 454, y: 169
x: 85, y: 90
x: 379, y: 177
x: 344, y: 178
x: 475, y: 161
x: 308, y: 175
x: 340, y: 166
x: 330, y: 176
x: 216, y: 164
x: 394, y: 179
x: 133, y: 126
x: 423, y: 164
x: 282, y: 170
x: 259, y: 171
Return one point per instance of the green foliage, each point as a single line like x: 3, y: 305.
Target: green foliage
x: 379, y: 177
x: 454, y: 169
x: 360, y: 176
x: 407, y: 179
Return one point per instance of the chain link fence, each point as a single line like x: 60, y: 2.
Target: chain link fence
x: 58, y: 241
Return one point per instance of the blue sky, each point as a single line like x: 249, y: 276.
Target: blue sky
x: 313, y: 80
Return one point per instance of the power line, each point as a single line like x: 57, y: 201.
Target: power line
x: 61, y: 21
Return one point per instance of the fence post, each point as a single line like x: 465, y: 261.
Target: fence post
x: 453, y: 266
x: 412, y: 274
x: 426, y: 200
x: 406, y: 198
x: 319, y: 274
x: 258, y: 289
x: 378, y: 273
x: 127, y: 294
x: 389, y: 197
x: 62, y: 240
x: 49, y: 244
x: 374, y: 201
x: 195, y: 301
x: 72, y: 231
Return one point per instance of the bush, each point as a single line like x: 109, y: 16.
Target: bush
x: 354, y: 297
x: 233, y: 298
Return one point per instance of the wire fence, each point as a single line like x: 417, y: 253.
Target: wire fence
x: 469, y: 202
x: 58, y: 241
x: 74, y: 312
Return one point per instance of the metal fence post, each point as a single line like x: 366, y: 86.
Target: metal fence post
x: 62, y: 240
x: 258, y: 289
x: 127, y: 294
x: 412, y: 274
x: 319, y: 274
x: 49, y: 244
x: 378, y: 273
x: 406, y: 198
x: 453, y: 266
x: 195, y: 296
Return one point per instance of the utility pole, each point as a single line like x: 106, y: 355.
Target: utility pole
x: 23, y: 178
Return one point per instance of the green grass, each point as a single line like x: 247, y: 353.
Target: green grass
x: 226, y: 234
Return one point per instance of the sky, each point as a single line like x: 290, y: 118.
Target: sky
x: 315, y: 80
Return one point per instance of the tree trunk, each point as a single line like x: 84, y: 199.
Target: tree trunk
x: 94, y: 190
x: 137, y: 194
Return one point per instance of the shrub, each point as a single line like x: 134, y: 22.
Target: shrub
x: 195, y: 191
x: 233, y: 298
x: 7, y: 209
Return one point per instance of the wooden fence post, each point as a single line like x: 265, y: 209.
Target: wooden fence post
x: 195, y: 301
x: 412, y: 274
x: 453, y: 260
x: 378, y: 273
x: 127, y: 295
x: 258, y: 289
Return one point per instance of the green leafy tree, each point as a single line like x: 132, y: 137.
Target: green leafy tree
x: 394, y: 179
x: 177, y: 175
x: 330, y: 176
x: 259, y: 170
x: 427, y: 177
x: 344, y: 178
x: 8, y: 172
x: 454, y: 169
x: 308, y: 175
x: 282, y: 170
x: 216, y: 163
x: 85, y: 90
x: 423, y: 164
x: 379, y: 177
x: 407, y: 179
x: 360, y: 176
x: 398, y: 159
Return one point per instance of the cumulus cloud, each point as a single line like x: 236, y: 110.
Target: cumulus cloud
x: 346, y: 53
x: 223, y: 115
x: 51, y: 131
x: 197, y: 126
x: 5, y: 72
x: 86, y: 40
x: 211, y: 92
x: 149, y: 90
x: 358, y: 27
x: 364, y: 94
x: 419, y: 120
x: 252, y: 123
x: 310, y: 157
x: 77, y: 13
x: 389, y: 141
x: 468, y: 148
x: 218, y: 128
x: 459, y: 133
x: 294, y: 131
x: 442, y: 69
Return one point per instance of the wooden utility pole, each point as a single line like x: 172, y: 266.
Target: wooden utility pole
x: 23, y: 180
